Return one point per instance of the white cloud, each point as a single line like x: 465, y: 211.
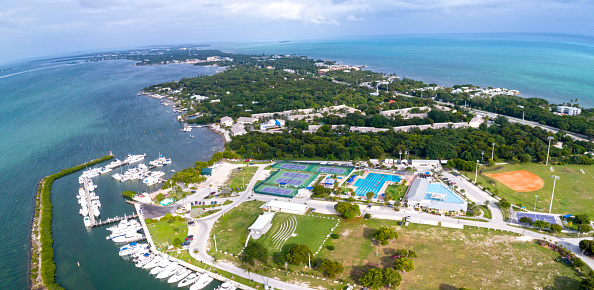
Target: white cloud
x: 354, y: 18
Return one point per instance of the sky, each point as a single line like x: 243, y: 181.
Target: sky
x: 30, y: 28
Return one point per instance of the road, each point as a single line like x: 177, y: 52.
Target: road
x: 573, y: 135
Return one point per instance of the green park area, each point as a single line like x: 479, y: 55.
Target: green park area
x: 573, y: 190
x: 169, y: 230
x: 231, y: 229
x: 241, y: 177
x: 451, y: 258
x: 396, y: 191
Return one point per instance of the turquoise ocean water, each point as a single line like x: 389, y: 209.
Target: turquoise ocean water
x: 55, y: 115
x: 556, y: 68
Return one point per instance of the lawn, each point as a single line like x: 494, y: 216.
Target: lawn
x: 311, y: 231
x: 472, y: 258
x: 241, y: 176
x: 573, y: 190
x: 396, y: 191
x: 231, y: 229
x: 165, y: 231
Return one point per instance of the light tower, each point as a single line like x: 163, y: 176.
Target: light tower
x: 555, y: 178
x: 476, y: 175
x: 493, y: 151
x: 548, y: 150
x: 535, y: 198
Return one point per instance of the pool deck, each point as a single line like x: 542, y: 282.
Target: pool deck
x: 386, y: 183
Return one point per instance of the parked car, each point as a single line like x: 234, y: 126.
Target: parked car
x: 395, y: 256
x: 191, y: 223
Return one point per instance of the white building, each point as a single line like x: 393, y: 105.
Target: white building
x: 237, y: 130
x: 572, y: 111
x: 435, y: 196
x: 283, y: 206
x: 261, y: 225
x: 226, y: 121
x: 246, y: 120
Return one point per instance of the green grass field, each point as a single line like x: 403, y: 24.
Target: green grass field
x: 448, y: 258
x: 310, y: 231
x: 165, y: 231
x: 396, y: 191
x: 242, y: 176
x: 573, y: 191
x: 231, y: 230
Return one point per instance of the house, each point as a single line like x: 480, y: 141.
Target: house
x: 283, y: 206
x: 367, y: 129
x: 572, y: 111
x: 261, y: 225
x: 226, y: 121
x: 273, y: 124
x: 246, y: 120
x: 237, y: 129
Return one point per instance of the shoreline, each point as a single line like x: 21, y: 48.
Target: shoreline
x: 42, y: 274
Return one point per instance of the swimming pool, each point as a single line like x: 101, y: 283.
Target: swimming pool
x: 373, y: 182
x: 441, y: 190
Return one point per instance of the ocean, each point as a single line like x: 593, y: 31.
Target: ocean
x: 557, y: 68
x: 54, y: 115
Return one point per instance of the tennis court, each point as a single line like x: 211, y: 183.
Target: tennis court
x: 295, y: 182
x: 296, y: 175
x: 537, y: 217
x: 328, y: 169
x: 294, y: 166
x: 275, y: 190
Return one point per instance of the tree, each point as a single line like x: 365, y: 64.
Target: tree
x: 373, y: 278
x: 370, y: 195
x: 504, y: 204
x: 581, y: 218
x: 347, y: 210
x: 299, y: 254
x: 320, y: 190
x: 384, y: 235
x: 308, y: 150
x: 331, y: 268
x: 584, y: 228
x: 391, y: 277
x: 254, y: 250
x: 555, y: 228
x: 279, y: 258
x: 587, y: 246
x: 404, y: 264
x: 541, y: 224
x: 376, y: 152
x: 526, y: 220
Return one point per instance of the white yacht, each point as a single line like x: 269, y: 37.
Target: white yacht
x: 128, y: 237
x: 123, y: 224
x: 156, y: 260
x: 202, y: 282
x: 170, y: 270
x: 226, y: 286
x: 87, y: 221
x: 105, y: 170
x: 188, y: 280
x: 134, y: 158
x: 131, y: 248
x: 180, y: 274
x: 144, y: 260
x: 160, y: 267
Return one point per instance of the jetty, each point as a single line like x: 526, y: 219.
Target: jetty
x: 88, y: 199
x: 112, y: 220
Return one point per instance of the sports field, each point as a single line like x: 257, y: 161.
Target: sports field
x: 574, y: 192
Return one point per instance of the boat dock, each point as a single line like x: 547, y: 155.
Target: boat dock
x: 112, y: 220
x: 88, y: 199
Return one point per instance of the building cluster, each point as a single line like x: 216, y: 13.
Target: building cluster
x: 571, y: 111
x: 343, y: 67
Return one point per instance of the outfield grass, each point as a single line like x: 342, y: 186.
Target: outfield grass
x: 231, y: 229
x: 472, y: 258
x: 573, y: 191
x: 242, y: 177
x: 166, y: 230
x: 311, y: 231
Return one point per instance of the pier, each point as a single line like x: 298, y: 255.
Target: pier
x: 112, y: 220
x: 88, y: 198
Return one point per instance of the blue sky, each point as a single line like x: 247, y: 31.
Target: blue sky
x: 43, y: 27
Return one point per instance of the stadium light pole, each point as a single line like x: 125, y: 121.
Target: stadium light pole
x: 476, y: 175
x: 535, y: 198
x: 549, y: 150
x: 482, y: 157
x: 493, y: 152
x: 400, y: 152
x: 555, y: 178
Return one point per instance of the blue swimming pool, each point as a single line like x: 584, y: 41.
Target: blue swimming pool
x: 373, y: 182
x: 437, y: 190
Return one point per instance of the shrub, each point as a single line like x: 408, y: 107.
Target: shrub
x: 330, y: 248
x: 367, y: 216
x: 334, y: 236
